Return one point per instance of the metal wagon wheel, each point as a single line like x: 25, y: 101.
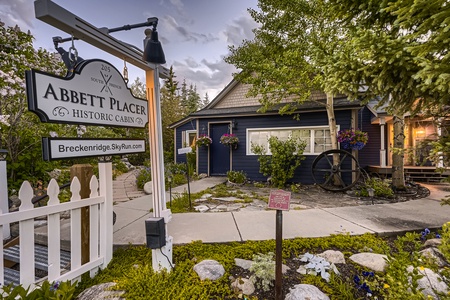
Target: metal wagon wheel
x: 336, y: 170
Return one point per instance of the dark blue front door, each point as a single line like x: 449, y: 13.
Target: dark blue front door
x: 219, y: 155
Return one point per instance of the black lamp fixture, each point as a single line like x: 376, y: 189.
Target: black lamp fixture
x: 234, y: 124
x: 3, y: 154
x: 153, y: 51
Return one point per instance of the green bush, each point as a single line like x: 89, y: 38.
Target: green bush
x: 56, y: 290
x: 264, y: 268
x: 144, y: 176
x: 138, y: 159
x: 381, y: 187
x: 238, y: 177
x: 285, y: 159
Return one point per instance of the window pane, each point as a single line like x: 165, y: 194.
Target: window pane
x: 259, y: 138
x: 304, y: 135
x: 322, y: 140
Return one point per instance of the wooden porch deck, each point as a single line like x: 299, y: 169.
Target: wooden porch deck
x: 416, y: 173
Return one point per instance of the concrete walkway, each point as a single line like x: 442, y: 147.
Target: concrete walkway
x: 260, y: 225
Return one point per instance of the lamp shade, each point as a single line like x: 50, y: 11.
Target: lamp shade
x: 153, y: 52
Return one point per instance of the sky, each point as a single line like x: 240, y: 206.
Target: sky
x: 195, y: 34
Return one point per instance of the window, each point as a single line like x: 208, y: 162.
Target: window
x: 317, y: 139
x: 188, y: 137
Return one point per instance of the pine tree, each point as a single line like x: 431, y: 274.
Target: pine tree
x: 205, y: 101
x: 170, y: 112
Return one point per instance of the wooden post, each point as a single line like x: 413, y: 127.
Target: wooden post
x: 84, y: 173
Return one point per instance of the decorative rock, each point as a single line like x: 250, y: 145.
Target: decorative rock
x: 202, y: 175
x: 209, y: 269
x: 305, y: 292
x: 222, y: 208
x: 245, y: 285
x: 148, y: 188
x: 302, y: 270
x: 243, y: 263
x: 206, y: 196
x: 284, y: 269
x: 435, y: 255
x: 430, y: 282
x: 373, y: 261
x: 201, y: 208
x: 433, y: 243
x: 101, y: 291
x: 332, y: 256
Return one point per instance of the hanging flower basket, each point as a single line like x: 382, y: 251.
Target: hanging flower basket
x: 230, y: 140
x: 203, y: 140
x: 352, y: 139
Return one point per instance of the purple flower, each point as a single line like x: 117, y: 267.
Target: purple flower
x: 54, y: 286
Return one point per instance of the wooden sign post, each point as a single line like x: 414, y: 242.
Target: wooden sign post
x: 279, y: 200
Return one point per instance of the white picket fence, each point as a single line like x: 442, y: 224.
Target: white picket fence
x: 100, y: 205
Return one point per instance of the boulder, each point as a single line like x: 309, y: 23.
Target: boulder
x: 148, y: 188
x: 305, y: 292
x: 101, y: 291
x: 433, y: 243
x: 373, y: 261
x: 244, y: 285
x: 430, y: 282
x: 332, y: 256
x: 209, y: 269
x: 434, y: 255
x: 243, y: 263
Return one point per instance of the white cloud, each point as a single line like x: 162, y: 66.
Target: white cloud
x: 172, y: 25
x: 209, y: 76
x: 17, y: 12
x: 240, y: 29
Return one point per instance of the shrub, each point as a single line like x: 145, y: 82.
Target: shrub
x: 264, y: 268
x: 56, y: 290
x: 138, y: 159
x: 381, y: 187
x: 238, y: 177
x: 285, y: 159
x: 144, y: 176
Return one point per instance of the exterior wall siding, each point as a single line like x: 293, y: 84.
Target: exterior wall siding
x: 249, y: 163
x: 370, y: 154
x: 181, y: 158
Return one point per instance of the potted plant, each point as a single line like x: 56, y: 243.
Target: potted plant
x: 353, y: 139
x: 203, y: 140
x: 230, y: 140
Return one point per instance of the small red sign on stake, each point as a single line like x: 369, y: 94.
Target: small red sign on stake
x: 279, y: 200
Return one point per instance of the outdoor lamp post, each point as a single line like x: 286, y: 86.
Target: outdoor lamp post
x: 371, y: 193
x: 4, y: 191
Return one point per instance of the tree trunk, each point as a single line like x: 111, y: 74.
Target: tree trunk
x: 398, y: 173
x: 331, y: 120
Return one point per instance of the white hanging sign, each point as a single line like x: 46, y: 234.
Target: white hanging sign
x: 60, y: 148
x: 95, y: 93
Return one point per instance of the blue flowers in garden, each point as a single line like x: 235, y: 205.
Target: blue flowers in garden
x: 426, y: 232
x: 363, y: 286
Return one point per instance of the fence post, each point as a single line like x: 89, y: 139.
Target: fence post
x: 84, y: 173
x: 4, y: 192
x: 106, y: 190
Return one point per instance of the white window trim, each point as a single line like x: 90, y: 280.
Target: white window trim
x: 186, y: 137
x: 311, y: 143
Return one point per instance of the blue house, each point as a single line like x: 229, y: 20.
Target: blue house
x: 232, y: 112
